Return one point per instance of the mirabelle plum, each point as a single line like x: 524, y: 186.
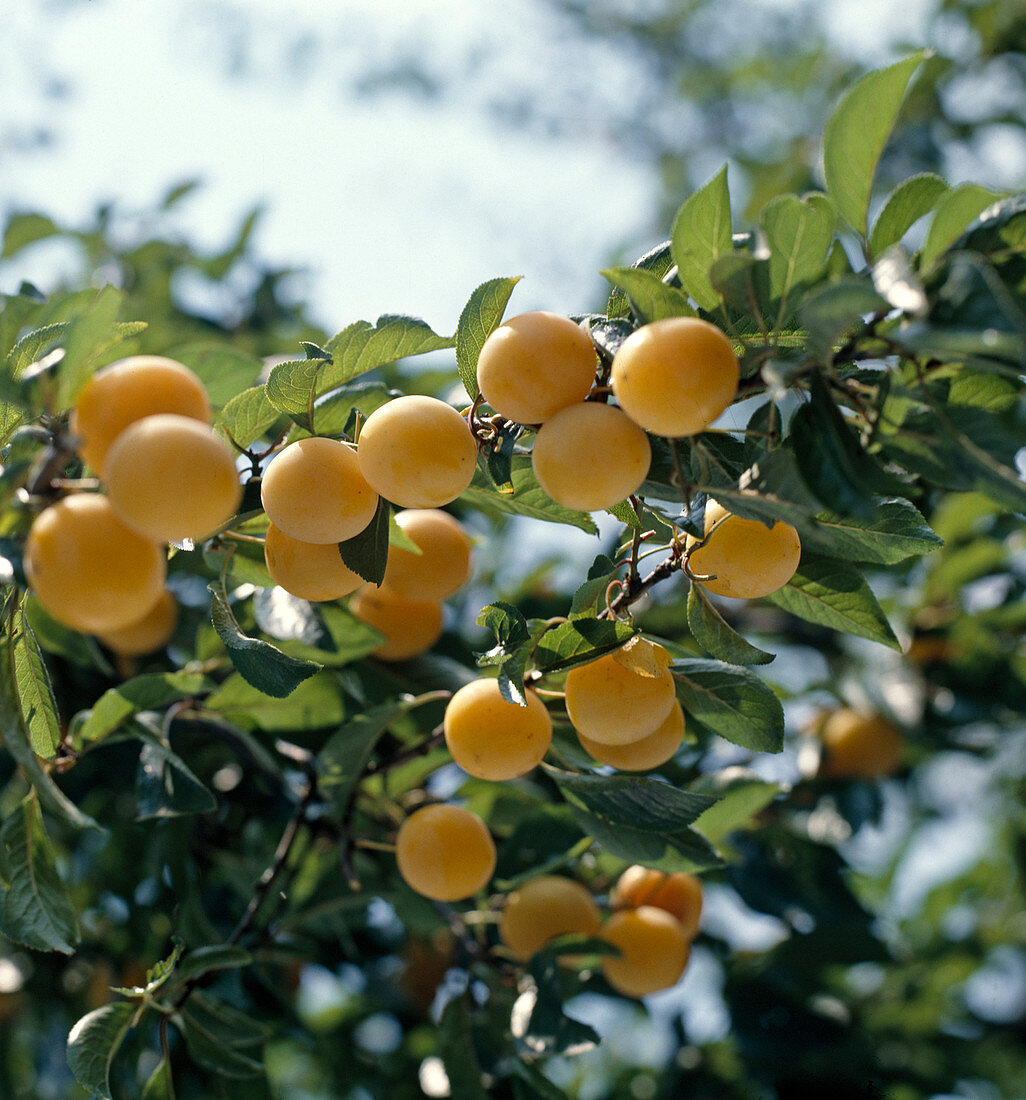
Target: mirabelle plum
x: 675, y: 376
x: 590, y: 456
x: 152, y: 632
x: 442, y: 565
x: 544, y: 908
x: 611, y: 703
x: 643, y: 755
x: 410, y: 627
x: 123, y: 392
x: 170, y: 477
x: 859, y: 745
x: 654, y: 950
x: 315, y: 491
x: 748, y: 558
x: 492, y: 739
x: 417, y: 452
x: 309, y: 570
x: 445, y: 852
x: 534, y: 365
x: 678, y: 893
x: 88, y: 569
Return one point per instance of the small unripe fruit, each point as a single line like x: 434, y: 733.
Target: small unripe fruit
x: 674, y: 377
x: 410, y: 627
x: 148, y: 634
x: 859, y: 745
x: 123, y: 392
x: 645, y: 754
x: 748, y: 558
x: 613, y: 704
x: 544, y: 908
x: 492, y: 739
x: 445, y: 852
x: 309, y: 570
x: 654, y: 951
x: 88, y: 569
x: 534, y: 365
x: 679, y: 893
x: 417, y: 452
x: 171, y: 478
x: 443, y: 564
x: 590, y: 456
x: 315, y: 491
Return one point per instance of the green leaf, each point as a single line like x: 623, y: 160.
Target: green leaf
x: 362, y: 346
x: 549, y: 1029
x: 529, y: 1083
x: 658, y: 262
x: 650, y: 298
x: 35, y: 907
x: 90, y: 335
x: 701, y: 234
x: 515, y: 639
x: 731, y: 702
x: 480, y: 317
x: 716, y: 636
x: 456, y: 1049
x: 152, y: 691
x: 835, y: 594
x: 93, y: 1043
x: 836, y: 310
x: 25, y: 229
x: 31, y: 680
x: 248, y: 415
x: 954, y: 212
x: 292, y: 389
x: 366, y: 554
x: 738, y: 799
x: 315, y: 704
x: 856, y: 133
x: 799, y: 232
x: 895, y: 532
x: 579, y: 641
x: 224, y: 370
x: 215, y: 956
x: 165, y: 786
x: 158, y: 975
x: 159, y: 1086
x: 345, y: 754
x: 221, y: 1038
x: 586, y: 599
x: 259, y: 663
x: 684, y: 850
x: 643, y: 803
x: 527, y: 499
x: 906, y: 204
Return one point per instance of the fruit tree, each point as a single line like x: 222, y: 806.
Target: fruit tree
x: 302, y: 795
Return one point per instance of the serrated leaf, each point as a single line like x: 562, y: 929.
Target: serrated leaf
x: 643, y: 803
x: 149, y: 692
x: 651, y: 299
x: 731, y: 702
x: 527, y: 499
x: 716, y: 636
x: 261, y: 664
x: 248, y: 415
x: 362, y: 346
x: 685, y: 850
x: 157, y: 975
x: 214, y: 956
x: 93, y: 1043
x: 366, y: 554
x: 895, y: 532
x: 509, y: 627
x: 579, y: 641
x: 31, y: 680
x: 954, y: 212
x: 856, y: 133
x: 800, y: 233
x: 341, y: 761
x: 292, y: 389
x: 165, y: 786
x: 701, y: 234
x: 658, y: 262
x: 835, y: 594
x: 480, y: 317
x: 35, y: 907
x: 911, y: 200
